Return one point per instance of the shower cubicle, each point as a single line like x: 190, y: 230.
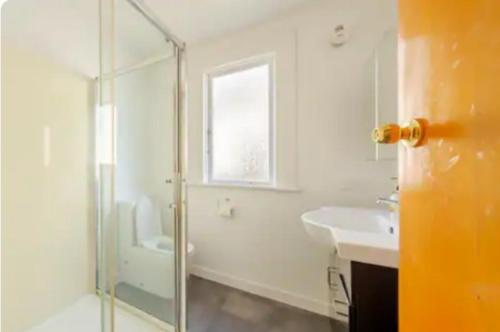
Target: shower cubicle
x: 140, y: 200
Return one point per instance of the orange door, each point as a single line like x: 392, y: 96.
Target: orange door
x: 450, y: 187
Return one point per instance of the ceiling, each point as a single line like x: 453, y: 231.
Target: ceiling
x: 67, y: 30
x: 194, y: 20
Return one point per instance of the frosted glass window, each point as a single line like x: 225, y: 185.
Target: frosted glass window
x: 239, y: 133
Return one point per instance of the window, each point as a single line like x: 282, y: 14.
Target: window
x: 240, y: 123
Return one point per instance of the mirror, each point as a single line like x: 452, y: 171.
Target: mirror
x: 383, y: 91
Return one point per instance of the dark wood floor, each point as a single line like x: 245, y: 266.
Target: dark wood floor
x: 213, y: 307
x: 216, y: 308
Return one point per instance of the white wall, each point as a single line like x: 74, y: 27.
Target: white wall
x: 47, y: 251
x: 324, y: 149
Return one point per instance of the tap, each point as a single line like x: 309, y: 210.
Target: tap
x: 392, y: 203
x: 393, y: 200
x: 389, y: 201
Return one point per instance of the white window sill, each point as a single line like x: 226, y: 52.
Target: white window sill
x: 244, y: 187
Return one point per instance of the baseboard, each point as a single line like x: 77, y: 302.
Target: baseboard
x: 272, y: 293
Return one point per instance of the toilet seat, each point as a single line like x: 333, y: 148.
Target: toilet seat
x: 163, y: 245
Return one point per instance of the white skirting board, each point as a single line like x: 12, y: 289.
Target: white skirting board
x: 272, y: 293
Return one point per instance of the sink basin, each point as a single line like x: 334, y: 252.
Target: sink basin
x: 363, y: 235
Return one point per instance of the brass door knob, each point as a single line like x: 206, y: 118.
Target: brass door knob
x: 412, y: 133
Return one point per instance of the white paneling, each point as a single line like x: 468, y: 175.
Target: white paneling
x: 47, y: 248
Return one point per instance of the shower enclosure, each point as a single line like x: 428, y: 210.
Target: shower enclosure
x: 141, y: 238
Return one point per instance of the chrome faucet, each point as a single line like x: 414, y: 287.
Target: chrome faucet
x: 393, y: 200
x: 382, y: 200
x: 393, y: 205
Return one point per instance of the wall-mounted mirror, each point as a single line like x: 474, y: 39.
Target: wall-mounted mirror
x: 383, y: 90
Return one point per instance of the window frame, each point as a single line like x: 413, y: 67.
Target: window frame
x: 226, y: 69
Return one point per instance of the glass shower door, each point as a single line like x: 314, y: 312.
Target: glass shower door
x: 144, y: 190
x: 140, y: 270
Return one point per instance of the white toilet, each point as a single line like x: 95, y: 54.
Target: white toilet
x: 146, y: 255
x: 148, y: 228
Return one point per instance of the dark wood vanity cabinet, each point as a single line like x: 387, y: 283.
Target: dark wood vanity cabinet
x: 374, y: 298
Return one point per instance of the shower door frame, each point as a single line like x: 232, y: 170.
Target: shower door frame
x: 178, y: 181
x: 180, y: 197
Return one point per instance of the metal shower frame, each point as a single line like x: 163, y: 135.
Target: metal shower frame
x: 178, y: 181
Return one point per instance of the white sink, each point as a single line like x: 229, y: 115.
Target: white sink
x: 358, y: 234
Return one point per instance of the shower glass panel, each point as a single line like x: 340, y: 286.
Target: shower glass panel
x: 137, y: 168
x: 143, y: 189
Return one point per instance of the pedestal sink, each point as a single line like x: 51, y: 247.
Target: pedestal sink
x: 362, y: 235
